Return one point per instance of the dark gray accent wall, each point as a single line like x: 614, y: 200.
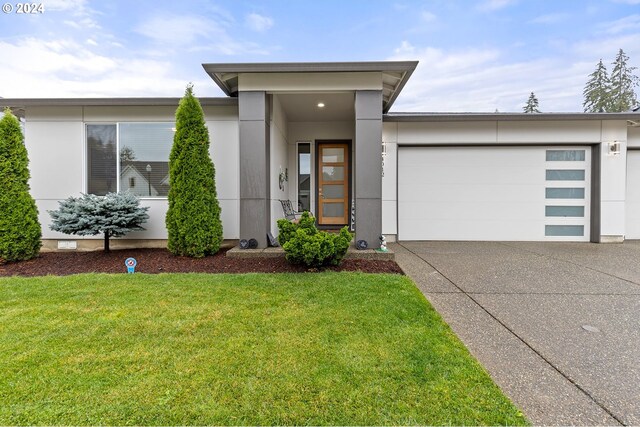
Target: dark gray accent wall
x: 368, y: 166
x: 595, y: 193
x: 255, y: 204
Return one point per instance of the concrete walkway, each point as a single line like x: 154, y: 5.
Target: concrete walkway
x: 557, y: 325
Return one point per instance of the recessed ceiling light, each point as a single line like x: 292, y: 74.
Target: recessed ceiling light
x: 320, y: 104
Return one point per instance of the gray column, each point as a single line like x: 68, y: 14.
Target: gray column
x: 255, y: 204
x: 368, y: 166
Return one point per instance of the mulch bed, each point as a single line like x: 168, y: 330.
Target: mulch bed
x: 162, y: 261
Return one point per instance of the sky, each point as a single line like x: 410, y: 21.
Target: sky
x: 475, y: 55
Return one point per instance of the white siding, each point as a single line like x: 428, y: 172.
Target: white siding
x: 483, y: 193
x: 55, y: 140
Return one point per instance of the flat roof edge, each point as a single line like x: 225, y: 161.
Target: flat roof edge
x: 467, y: 117
x: 105, y: 102
x: 309, y: 67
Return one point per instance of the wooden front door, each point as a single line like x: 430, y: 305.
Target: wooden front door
x: 333, y: 183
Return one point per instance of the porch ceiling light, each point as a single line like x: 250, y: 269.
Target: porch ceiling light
x: 320, y: 104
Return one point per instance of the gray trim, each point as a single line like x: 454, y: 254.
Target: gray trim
x: 310, y: 67
x: 595, y: 216
x: 216, y: 70
x: 506, y: 144
x: 106, y: 102
x: 459, y: 117
x: 633, y: 148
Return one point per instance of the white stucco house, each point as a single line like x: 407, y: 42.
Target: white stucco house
x: 326, y: 127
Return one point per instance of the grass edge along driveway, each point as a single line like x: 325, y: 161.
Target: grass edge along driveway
x: 324, y: 348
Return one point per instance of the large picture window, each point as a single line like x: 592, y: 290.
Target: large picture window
x: 141, y: 165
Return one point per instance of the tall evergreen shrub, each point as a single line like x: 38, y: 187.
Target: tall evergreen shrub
x: 20, y: 232
x: 193, y: 219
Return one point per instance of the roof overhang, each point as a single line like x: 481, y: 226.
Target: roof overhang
x: 394, y: 73
x: 105, y: 102
x: 470, y: 117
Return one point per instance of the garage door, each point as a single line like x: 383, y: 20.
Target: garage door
x: 493, y: 193
x: 632, y: 213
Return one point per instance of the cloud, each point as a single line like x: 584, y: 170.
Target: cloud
x: 428, y: 17
x: 196, y: 34
x: 258, y: 22
x: 64, y: 68
x: 491, y: 5
x: 552, y: 18
x: 177, y: 30
x: 481, y: 79
x: 628, y: 23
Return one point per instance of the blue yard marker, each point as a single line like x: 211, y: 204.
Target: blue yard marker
x: 131, y: 265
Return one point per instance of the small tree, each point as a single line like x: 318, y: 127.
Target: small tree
x: 113, y: 215
x: 193, y: 218
x: 596, y: 91
x: 20, y: 232
x: 623, y: 81
x: 532, y: 104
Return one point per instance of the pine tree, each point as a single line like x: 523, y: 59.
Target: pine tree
x: 193, y: 218
x: 596, y: 91
x: 113, y: 215
x: 20, y: 232
x: 623, y: 82
x: 532, y: 104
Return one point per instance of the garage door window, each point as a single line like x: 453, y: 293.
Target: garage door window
x: 565, y: 175
x: 564, y: 230
x: 565, y: 155
x: 565, y: 193
x: 565, y: 211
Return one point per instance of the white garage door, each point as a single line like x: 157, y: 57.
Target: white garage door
x: 632, y: 213
x: 493, y: 193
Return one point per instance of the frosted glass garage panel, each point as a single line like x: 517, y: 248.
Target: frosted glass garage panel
x: 566, y: 155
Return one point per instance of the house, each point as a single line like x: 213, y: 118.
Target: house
x: 321, y: 135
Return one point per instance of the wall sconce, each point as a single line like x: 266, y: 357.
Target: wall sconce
x: 614, y: 148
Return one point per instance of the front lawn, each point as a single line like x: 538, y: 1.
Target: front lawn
x: 328, y: 348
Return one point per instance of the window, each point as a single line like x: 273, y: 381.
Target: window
x: 101, y: 159
x: 565, y: 175
x: 142, y: 160
x: 565, y: 155
x: 304, y: 177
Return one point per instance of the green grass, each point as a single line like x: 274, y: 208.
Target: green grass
x: 327, y: 348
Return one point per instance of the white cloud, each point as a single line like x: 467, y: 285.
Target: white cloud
x: 485, y: 80
x: 490, y: 5
x: 196, y: 34
x: 428, y: 17
x: 258, y: 22
x: 64, y: 68
x: 176, y: 30
x: 628, y: 23
x: 552, y: 18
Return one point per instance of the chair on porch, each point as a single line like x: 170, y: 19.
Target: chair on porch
x: 289, y: 213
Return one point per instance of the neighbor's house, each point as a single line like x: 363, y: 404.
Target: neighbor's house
x: 321, y: 135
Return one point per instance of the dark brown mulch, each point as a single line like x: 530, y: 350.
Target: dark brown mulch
x: 162, y: 261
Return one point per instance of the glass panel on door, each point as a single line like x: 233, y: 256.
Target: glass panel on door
x: 333, y: 190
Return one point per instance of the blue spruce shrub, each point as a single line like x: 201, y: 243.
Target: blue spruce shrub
x: 113, y: 215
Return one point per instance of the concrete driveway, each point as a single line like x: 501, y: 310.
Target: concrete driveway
x: 557, y: 325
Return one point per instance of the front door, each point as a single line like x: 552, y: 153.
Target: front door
x: 333, y: 183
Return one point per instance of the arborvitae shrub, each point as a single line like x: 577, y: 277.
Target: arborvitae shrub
x: 193, y: 218
x: 20, y: 231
